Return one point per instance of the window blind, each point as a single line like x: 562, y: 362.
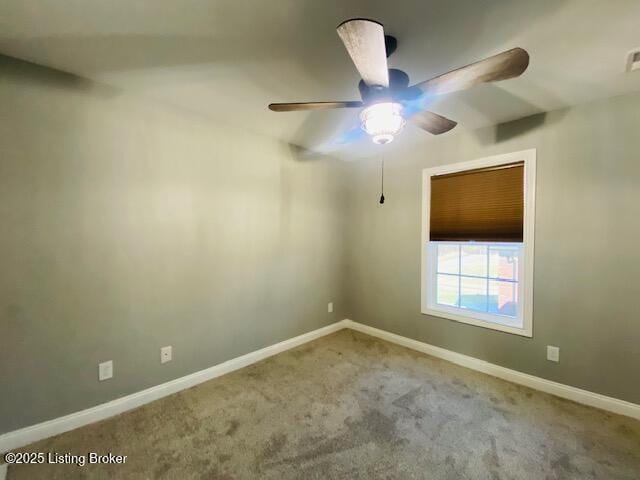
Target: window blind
x: 484, y: 205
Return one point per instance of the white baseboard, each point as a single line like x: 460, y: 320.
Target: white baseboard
x: 3, y: 471
x: 19, y: 438
x: 558, y: 389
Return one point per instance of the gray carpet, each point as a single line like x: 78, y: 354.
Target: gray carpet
x: 349, y: 406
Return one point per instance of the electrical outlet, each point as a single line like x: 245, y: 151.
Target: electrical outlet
x: 166, y: 354
x: 553, y: 353
x: 105, y: 370
x: 330, y: 307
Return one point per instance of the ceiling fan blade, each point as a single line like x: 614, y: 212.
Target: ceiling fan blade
x: 364, y: 40
x: 294, y: 107
x: 432, y: 122
x: 502, y: 66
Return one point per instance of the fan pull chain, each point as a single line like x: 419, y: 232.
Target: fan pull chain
x: 382, y: 183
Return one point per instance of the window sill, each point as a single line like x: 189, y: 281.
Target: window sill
x: 470, y: 319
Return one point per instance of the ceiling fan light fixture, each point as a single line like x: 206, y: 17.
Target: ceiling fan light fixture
x: 382, y: 88
x: 382, y: 121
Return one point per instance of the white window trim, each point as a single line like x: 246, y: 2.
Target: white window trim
x: 529, y: 158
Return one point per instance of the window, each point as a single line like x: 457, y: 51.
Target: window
x: 477, y: 262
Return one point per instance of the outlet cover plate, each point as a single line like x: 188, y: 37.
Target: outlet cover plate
x: 553, y: 353
x: 166, y: 354
x: 105, y: 370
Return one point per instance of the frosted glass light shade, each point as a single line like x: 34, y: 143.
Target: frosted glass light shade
x: 382, y: 121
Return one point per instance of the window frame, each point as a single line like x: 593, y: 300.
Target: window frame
x: 526, y: 266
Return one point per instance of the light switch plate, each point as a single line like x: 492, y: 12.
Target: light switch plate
x: 330, y: 307
x: 166, y: 354
x: 553, y: 353
x: 105, y: 370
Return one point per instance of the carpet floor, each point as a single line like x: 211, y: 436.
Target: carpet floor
x: 349, y: 406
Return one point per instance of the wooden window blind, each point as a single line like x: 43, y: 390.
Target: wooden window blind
x: 484, y: 205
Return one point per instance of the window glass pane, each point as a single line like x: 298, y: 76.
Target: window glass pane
x: 503, y: 262
x: 447, y: 290
x: 477, y: 277
x: 474, y: 260
x: 473, y: 293
x: 503, y: 298
x: 449, y: 259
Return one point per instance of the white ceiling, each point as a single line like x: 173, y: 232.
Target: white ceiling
x: 228, y: 59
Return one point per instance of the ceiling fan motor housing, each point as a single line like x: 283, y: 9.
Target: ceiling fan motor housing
x: 398, y: 89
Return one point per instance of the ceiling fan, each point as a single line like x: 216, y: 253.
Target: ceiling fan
x: 388, y: 101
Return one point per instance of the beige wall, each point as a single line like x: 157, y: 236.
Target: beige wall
x: 127, y: 226
x: 587, y: 240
